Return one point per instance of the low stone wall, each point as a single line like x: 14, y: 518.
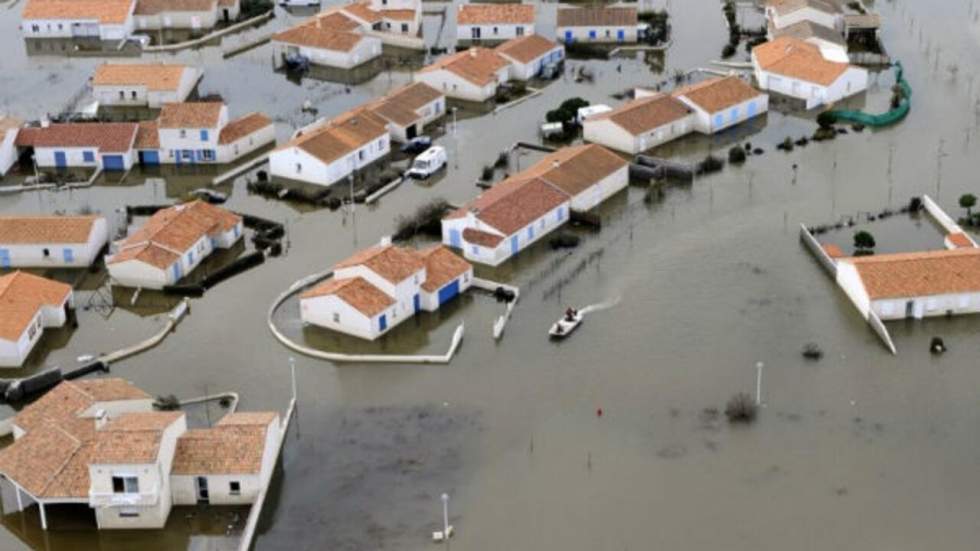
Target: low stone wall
x: 818, y: 252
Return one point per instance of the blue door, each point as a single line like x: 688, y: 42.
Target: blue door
x: 751, y: 109
x: 178, y: 273
x: 68, y: 255
x: 4, y: 258
x: 621, y: 35
x: 530, y: 233
x: 417, y: 302
x: 592, y: 35
x: 150, y: 158
x: 719, y: 121
x: 60, y: 160
x: 514, y: 245
x: 448, y: 292
x: 454, y: 240
x: 734, y: 114
x: 568, y: 37
x: 113, y: 162
x: 382, y: 323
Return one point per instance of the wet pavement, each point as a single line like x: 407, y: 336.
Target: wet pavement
x: 861, y: 450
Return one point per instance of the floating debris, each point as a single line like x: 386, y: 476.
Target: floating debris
x: 812, y: 351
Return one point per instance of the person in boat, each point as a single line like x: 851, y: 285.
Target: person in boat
x: 570, y: 314
x: 558, y: 329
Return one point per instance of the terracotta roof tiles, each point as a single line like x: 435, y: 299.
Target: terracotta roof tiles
x: 441, y: 267
x: 243, y: 126
x: 201, y: 114
x: 645, y: 114
x: 717, y: 94
x: 795, y: 58
x: 597, y: 17
x: 28, y: 230
x: 919, y: 274
x: 22, y: 295
x: 107, y: 137
x: 477, y: 65
x: 107, y: 12
x: 155, y: 76
x: 394, y: 264
x: 484, y: 14
x: 526, y: 49
x: 355, y: 291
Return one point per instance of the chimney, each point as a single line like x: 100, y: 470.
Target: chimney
x: 555, y: 163
x: 101, y: 418
x: 385, y: 241
x: 473, y: 52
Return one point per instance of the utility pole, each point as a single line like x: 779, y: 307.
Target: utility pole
x: 758, y: 383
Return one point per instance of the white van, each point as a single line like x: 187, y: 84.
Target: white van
x: 591, y: 110
x: 428, y: 162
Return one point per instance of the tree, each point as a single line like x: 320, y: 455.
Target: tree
x: 968, y: 201
x: 864, y: 242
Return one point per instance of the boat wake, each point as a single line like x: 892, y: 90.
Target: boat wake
x: 600, y: 306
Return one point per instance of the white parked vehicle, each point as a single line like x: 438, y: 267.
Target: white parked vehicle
x: 298, y: 3
x: 428, y: 162
x: 143, y: 40
x: 585, y: 112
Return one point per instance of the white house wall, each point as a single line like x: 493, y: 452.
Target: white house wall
x: 296, y: 164
x: 196, y: 20
x: 233, y: 151
x: 853, y: 81
x: 82, y: 254
x: 526, y: 71
x: 601, y: 190
x: 603, y: 34
x: 8, y: 151
x: 75, y: 157
x: 490, y: 32
x: 81, y: 27
x: 707, y: 123
x: 367, y: 49
x: 454, y: 86
x: 526, y: 236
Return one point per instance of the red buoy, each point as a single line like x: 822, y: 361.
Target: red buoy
x: 598, y: 412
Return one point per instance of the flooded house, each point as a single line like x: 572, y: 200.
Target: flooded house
x: 528, y: 55
x: 171, y: 244
x: 105, y: 145
x: 798, y: 69
x: 197, y: 16
x: 785, y: 13
x: 332, y: 39
x: 641, y: 124
x: 377, y: 288
x: 9, y: 126
x: 490, y: 23
x: 30, y: 304
x: 397, y: 17
x: 328, y: 152
x: 83, y: 19
x: 51, y: 241
x: 201, y: 133
x: 831, y: 43
x: 99, y: 442
x: 143, y: 84
x: 409, y: 110
x: 597, y: 24
x: 722, y: 102
x: 515, y: 213
x: 470, y: 75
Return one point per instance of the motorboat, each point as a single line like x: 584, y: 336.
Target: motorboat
x: 568, y: 323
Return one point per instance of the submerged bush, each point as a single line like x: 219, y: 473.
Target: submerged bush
x: 741, y: 408
x: 736, y: 155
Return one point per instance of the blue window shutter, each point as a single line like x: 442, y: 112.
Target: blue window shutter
x: 69, y: 256
x: 204, y: 135
x: 88, y: 156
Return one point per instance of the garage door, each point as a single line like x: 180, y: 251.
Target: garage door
x: 150, y: 157
x: 113, y: 162
x: 448, y: 292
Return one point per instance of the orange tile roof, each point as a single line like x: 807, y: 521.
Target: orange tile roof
x: 718, y: 94
x: 487, y: 14
x: 399, y: 15
x: 107, y: 12
x: 148, y: 135
x: 597, y: 17
x: 27, y: 230
x: 172, y: 231
x: 107, y: 137
x: 477, y: 65
x: 525, y: 203
x: 804, y: 30
x: 918, y: 274
x: 222, y: 449
x: 363, y: 11
x: 36, y: 459
x: 65, y: 402
x: 795, y: 58
x: 9, y: 123
x: 243, y: 126
x: 341, y: 136
x: 575, y: 169
x: 645, y: 114
x: 441, y: 267
x: 138, y: 421
x: 22, y: 295
x: 394, y: 264
x: 155, y: 7
x: 402, y: 106
x: 833, y: 251
x: 131, y: 447
x: 248, y: 418
x: 330, y: 31
x: 155, y: 76
x: 201, y: 114
x: 526, y: 49
x: 355, y: 291
x: 960, y: 240
x: 482, y: 238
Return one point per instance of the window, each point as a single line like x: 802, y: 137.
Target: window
x: 200, y: 247
x: 31, y: 331
x: 125, y: 485
x: 190, y: 257
x: 207, y: 154
x: 183, y: 133
x: 405, y: 30
x: 336, y: 317
x: 204, y: 135
x: 360, y: 155
x: 60, y: 27
x: 495, y: 30
x: 235, y: 488
x: 475, y: 249
x: 122, y: 95
x: 35, y: 28
x: 129, y: 512
x: 46, y: 253
x: 388, y: 25
x: 381, y: 144
x: 608, y: 33
x: 68, y: 255
x: 519, y: 30
x: 299, y: 168
x: 88, y: 156
x: 133, y: 94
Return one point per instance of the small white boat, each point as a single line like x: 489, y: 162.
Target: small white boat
x: 564, y: 327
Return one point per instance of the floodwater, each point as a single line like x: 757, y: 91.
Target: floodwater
x: 861, y: 450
